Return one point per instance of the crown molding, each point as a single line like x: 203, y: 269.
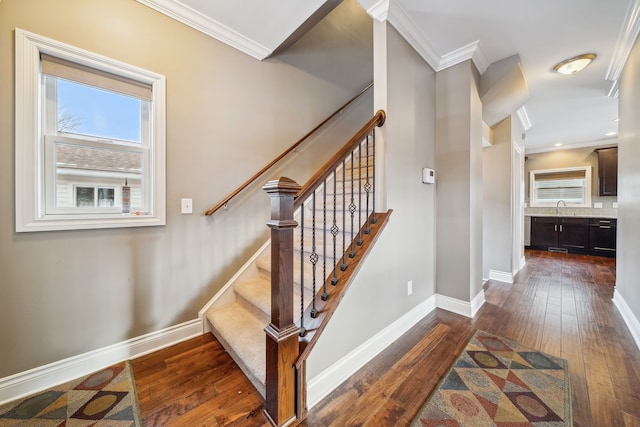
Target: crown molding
x: 402, y: 21
x: 480, y: 59
x: 471, y: 52
x: 626, y: 39
x: 196, y: 20
x: 407, y: 28
x: 379, y: 10
x: 523, y: 116
x: 614, y: 91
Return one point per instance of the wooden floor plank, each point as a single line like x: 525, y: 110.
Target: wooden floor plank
x: 558, y: 303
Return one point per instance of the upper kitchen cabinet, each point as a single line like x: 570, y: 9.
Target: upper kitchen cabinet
x: 607, y: 171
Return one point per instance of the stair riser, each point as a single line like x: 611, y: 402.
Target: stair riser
x: 261, y: 307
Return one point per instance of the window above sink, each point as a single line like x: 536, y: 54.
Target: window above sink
x: 548, y: 187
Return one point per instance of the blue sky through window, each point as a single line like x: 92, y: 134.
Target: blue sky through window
x: 100, y: 113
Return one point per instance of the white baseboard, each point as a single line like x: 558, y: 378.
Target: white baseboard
x: 453, y: 305
x: 325, y: 382
x: 463, y: 308
x: 501, y: 276
x: 40, y: 378
x: 523, y: 262
x: 477, y: 302
x: 629, y: 318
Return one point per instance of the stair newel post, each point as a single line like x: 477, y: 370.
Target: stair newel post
x: 281, y: 333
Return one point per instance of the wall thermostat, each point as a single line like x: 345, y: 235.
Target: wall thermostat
x: 428, y: 176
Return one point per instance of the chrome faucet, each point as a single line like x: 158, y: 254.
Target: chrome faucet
x: 558, y: 206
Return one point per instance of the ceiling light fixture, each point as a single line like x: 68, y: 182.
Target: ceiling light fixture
x: 558, y: 144
x: 610, y: 133
x: 575, y: 64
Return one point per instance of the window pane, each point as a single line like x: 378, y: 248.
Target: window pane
x: 99, y: 169
x: 106, y: 197
x: 87, y: 110
x: 85, y: 197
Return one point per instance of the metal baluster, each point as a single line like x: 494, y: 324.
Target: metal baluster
x: 334, y: 229
x: 373, y: 207
x: 343, y: 267
x: 314, y: 255
x: 352, y: 209
x: 325, y: 295
x: 360, y: 195
x: 303, y: 331
x: 367, y: 189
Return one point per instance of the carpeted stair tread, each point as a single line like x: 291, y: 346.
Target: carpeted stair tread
x: 243, y: 336
x: 256, y: 292
x: 264, y: 266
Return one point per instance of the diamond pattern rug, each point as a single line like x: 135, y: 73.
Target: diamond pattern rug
x: 496, y: 382
x: 104, y: 398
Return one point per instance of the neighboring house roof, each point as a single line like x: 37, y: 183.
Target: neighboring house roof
x: 97, y: 159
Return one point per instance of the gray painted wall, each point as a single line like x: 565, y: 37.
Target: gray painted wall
x: 405, y: 250
x: 458, y: 182
x: 66, y: 293
x: 497, y: 231
x: 628, y: 253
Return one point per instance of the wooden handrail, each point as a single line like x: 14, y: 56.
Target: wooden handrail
x: 312, y: 184
x: 287, y: 151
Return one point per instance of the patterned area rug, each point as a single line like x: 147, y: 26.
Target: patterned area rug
x: 104, y: 398
x: 497, y: 382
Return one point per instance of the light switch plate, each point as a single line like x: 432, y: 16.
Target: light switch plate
x: 597, y: 205
x: 187, y: 206
x: 614, y: 205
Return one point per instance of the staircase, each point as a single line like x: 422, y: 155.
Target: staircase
x: 239, y: 313
x: 272, y: 312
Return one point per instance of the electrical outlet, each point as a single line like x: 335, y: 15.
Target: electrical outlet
x: 597, y: 205
x: 187, y: 206
x: 614, y: 205
x: 409, y: 287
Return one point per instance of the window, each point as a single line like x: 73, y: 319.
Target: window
x: 571, y: 185
x: 90, y: 139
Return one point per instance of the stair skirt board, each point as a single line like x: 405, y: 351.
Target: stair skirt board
x: 218, y: 296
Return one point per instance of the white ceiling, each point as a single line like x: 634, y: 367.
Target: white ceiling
x: 571, y: 110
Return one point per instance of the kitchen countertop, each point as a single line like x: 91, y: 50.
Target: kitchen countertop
x: 572, y: 216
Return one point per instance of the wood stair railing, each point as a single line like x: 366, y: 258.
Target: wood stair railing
x: 289, y: 344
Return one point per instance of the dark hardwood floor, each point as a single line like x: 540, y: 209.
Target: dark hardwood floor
x: 559, y: 304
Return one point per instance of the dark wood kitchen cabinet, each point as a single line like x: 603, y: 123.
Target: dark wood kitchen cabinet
x: 568, y: 233
x: 607, y: 171
x: 573, y: 234
x: 544, y: 232
x: 602, y: 236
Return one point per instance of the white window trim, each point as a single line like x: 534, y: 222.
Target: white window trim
x: 29, y: 176
x: 587, y: 176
